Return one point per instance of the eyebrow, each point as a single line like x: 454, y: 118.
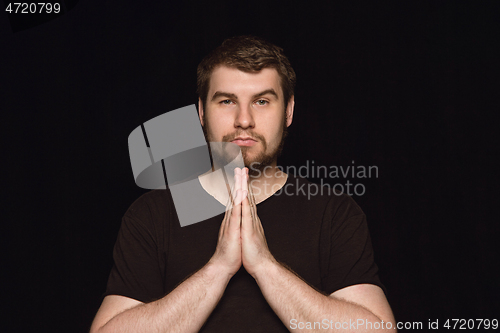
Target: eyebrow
x: 219, y: 94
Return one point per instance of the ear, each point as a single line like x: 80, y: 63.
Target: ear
x: 289, y: 111
x: 201, y: 112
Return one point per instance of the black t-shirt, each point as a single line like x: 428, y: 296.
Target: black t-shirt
x: 322, y: 238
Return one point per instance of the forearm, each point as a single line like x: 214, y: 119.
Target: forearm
x: 185, y: 309
x: 295, y: 302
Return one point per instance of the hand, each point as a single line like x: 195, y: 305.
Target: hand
x: 228, y: 252
x: 254, y: 250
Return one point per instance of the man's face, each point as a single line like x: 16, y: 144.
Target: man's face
x: 247, y: 109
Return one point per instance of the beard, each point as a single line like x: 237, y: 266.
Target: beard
x: 257, y: 164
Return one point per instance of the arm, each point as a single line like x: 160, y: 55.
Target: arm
x: 294, y: 301
x: 185, y: 309
x: 189, y: 305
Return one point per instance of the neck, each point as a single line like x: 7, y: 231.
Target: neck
x: 263, y: 183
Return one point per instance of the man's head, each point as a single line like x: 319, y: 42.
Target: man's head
x: 246, y: 91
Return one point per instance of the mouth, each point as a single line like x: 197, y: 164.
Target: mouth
x: 244, y: 141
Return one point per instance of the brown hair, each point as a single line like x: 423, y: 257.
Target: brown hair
x: 249, y: 54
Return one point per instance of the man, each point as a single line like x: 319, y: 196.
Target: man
x: 312, y: 268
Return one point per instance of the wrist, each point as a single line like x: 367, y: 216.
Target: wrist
x: 266, y: 269
x: 219, y: 269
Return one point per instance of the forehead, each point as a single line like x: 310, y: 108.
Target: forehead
x: 232, y: 80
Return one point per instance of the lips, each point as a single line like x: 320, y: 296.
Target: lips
x: 244, y: 141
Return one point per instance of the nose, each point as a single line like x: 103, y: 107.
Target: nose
x: 244, y: 117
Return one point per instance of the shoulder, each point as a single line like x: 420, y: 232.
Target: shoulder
x: 151, y: 207
x: 321, y: 196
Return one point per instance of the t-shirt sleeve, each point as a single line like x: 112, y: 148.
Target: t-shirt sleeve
x: 136, y: 272
x: 348, y: 248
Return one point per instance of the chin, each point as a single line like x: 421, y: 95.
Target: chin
x: 248, y: 162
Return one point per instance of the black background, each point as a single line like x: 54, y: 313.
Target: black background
x: 408, y: 86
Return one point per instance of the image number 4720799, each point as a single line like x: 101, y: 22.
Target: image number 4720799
x: 27, y: 15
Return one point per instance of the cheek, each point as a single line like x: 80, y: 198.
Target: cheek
x: 274, y: 131
x: 277, y: 125
x: 216, y: 125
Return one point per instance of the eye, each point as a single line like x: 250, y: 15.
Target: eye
x: 226, y: 102
x: 262, y: 102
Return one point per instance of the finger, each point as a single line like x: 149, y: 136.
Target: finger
x: 235, y: 198
x: 233, y: 189
x: 244, y: 179
x: 253, y: 210
x: 253, y: 203
x: 237, y: 182
x: 246, y: 215
x: 225, y: 220
x: 246, y: 186
x: 235, y: 219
